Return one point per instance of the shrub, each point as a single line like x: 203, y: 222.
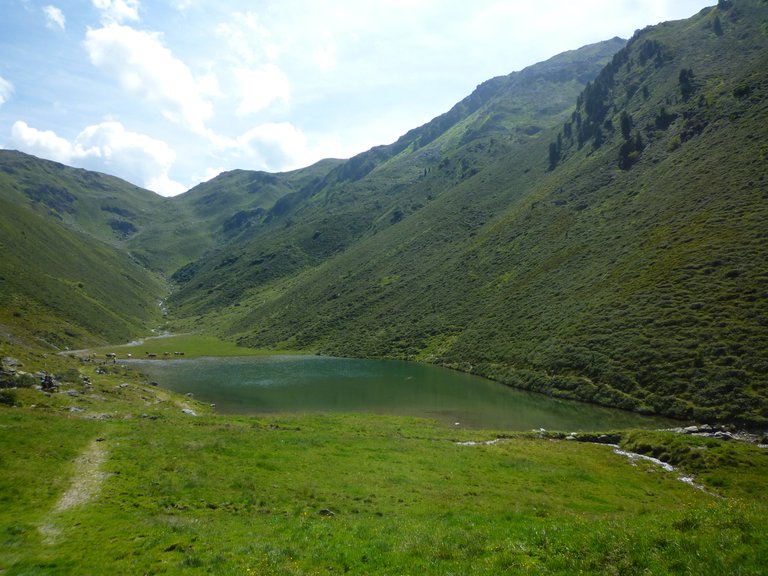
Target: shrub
x: 71, y: 375
x: 26, y: 381
x: 8, y: 397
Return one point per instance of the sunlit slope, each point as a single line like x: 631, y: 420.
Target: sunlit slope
x: 379, y: 189
x: 221, y: 212
x: 100, y: 205
x: 590, y: 262
x: 66, y: 276
x: 155, y: 230
x: 82, y: 252
x: 65, y: 289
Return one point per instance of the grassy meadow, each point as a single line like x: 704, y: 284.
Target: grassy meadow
x: 628, y: 271
x: 189, y: 345
x: 115, y: 477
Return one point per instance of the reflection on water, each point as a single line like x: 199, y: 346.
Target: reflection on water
x: 268, y: 384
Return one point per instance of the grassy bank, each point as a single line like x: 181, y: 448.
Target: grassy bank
x: 190, y: 345
x: 129, y: 483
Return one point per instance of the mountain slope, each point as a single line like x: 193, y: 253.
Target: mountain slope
x: 592, y: 227
x: 96, y: 204
x: 65, y: 280
x: 377, y: 189
x: 83, y: 252
x: 618, y: 260
x: 219, y: 212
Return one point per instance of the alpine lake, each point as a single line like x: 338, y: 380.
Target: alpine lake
x: 312, y: 384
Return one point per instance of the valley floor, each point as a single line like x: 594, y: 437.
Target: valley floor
x: 107, y: 473
x: 131, y: 484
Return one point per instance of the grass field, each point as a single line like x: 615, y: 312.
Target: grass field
x: 130, y: 484
x: 629, y: 270
x: 190, y: 345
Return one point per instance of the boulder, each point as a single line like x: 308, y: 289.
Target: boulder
x: 10, y: 364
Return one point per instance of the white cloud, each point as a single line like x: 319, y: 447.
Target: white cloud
x: 182, y: 5
x: 281, y: 146
x: 326, y: 57
x: 248, y: 39
x: 43, y: 143
x: 54, y: 18
x: 129, y: 152
x: 106, y: 147
x: 6, y: 89
x: 165, y: 186
x: 258, y: 88
x: 274, y: 146
x: 117, y: 11
x: 145, y: 67
x: 211, y: 173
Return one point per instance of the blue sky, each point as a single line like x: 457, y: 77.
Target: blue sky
x: 167, y: 94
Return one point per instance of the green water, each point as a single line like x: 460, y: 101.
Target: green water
x: 269, y: 384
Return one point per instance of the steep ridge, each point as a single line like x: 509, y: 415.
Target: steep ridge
x: 223, y: 211
x: 651, y: 293
x: 65, y: 278
x: 84, y: 253
x: 377, y: 189
x: 621, y: 261
x: 591, y: 227
x: 102, y: 206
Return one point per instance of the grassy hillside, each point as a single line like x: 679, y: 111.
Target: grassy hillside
x: 617, y: 258
x: 62, y: 289
x: 591, y: 227
x: 83, y: 252
x: 109, y: 474
x: 378, y: 189
x: 217, y: 213
x: 653, y: 295
x: 102, y: 206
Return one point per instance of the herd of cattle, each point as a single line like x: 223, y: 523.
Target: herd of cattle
x: 112, y: 356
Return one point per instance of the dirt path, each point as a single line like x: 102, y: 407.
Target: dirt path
x: 85, y: 487
x: 88, y: 477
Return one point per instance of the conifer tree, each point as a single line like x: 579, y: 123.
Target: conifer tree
x: 626, y: 124
x: 687, y: 86
x: 717, y: 26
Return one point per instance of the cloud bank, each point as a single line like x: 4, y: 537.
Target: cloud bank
x: 145, y: 67
x: 105, y: 147
x: 196, y: 87
x: 117, y: 11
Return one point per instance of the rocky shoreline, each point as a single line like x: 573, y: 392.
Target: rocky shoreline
x: 723, y: 433
x: 760, y: 439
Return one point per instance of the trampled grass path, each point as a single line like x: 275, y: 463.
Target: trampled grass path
x: 84, y: 488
